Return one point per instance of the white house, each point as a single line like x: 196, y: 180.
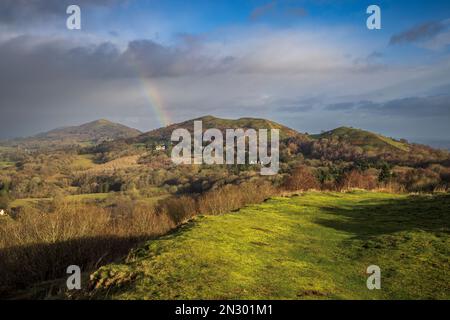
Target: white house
x: 2, y: 213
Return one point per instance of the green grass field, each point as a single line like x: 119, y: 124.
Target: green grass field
x: 88, y: 196
x: 27, y: 202
x: 83, y: 162
x: 6, y: 164
x: 85, y: 197
x: 312, y: 246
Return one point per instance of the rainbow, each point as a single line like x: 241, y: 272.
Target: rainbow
x: 153, y: 95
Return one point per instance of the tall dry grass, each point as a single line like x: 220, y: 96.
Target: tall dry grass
x: 218, y: 201
x: 37, y: 246
x: 233, y: 197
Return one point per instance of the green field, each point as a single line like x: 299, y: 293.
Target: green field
x: 85, y: 197
x: 83, y: 162
x: 88, y: 196
x: 312, y: 246
x: 26, y: 202
x: 6, y: 164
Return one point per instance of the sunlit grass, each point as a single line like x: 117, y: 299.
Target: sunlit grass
x: 313, y: 246
x: 83, y: 162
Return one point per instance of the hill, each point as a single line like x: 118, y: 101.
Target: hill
x: 314, y: 246
x: 86, y: 134
x: 364, y: 139
x: 164, y: 134
x: 341, y: 144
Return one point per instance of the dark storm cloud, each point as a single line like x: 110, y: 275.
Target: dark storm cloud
x: 23, y: 59
x: 22, y: 12
x: 27, y: 59
x: 154, y: 60
x: 412, y: 107
x: 433, y: 106
x: 419, y: 32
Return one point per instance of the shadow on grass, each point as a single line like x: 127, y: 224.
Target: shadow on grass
x: 371, y: 218
x: 23, y: 267
x: 39, y: 270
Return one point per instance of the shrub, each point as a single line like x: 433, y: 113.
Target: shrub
x: 232, y: 197
x: 178, y: 209
x: 302, y: 178
x: 360, y: 180
x: 418, y: 180
x: 220, y: 200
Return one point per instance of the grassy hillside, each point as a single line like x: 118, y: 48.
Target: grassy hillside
x: 313, y: 246
x: 365, y: 139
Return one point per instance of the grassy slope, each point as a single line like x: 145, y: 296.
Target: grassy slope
x: 308, y: 247
x: 365, y: 139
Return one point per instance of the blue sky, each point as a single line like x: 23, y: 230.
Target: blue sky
x: 312, y: 65
x: 203, y: 16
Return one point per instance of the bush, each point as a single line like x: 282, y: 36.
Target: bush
x: 4, y: 201
x: 360, y: 180
x: 232, y: 197
x: 301, y: 179
x: 178, y: 209
x: 221, y: 200
x: 424, y: 180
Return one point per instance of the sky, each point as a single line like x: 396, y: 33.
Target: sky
x: 310, y: 65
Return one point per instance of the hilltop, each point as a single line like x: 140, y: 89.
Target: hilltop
x: 364, y: 139
x: 164, y: 134
x: 86, y: 134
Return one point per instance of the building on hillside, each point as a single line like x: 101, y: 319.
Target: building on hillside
x: 160, y: 147
x: 2, y: 213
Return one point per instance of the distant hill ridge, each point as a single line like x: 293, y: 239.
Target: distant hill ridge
x: 209, y: 121
x: 102, y: 130
x: 86, y: 134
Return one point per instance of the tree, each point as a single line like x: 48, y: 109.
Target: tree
x: 385, y: 173
x: 4, y: 197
